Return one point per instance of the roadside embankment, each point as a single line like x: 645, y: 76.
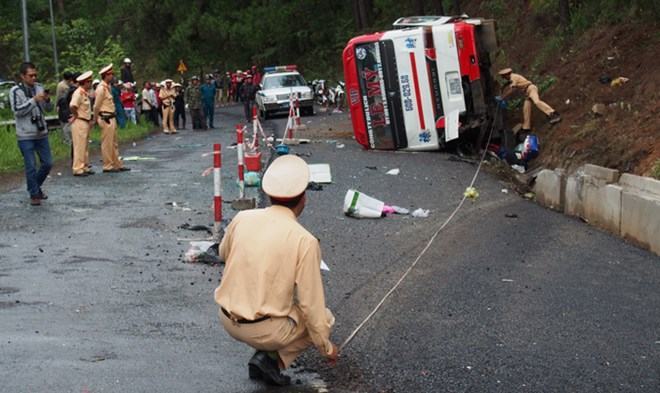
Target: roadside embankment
x: 624, y: 204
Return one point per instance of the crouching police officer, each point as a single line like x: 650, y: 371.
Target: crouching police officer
x: 271, y: 294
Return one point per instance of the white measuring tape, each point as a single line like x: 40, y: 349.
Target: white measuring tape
x: 428, y: 244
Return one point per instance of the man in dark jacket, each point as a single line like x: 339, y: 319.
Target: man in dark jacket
x: 248, y: 93
x: 127, y: 72
x: 179, y: 107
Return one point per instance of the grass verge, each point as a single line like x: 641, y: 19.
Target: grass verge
x: 11, y: 159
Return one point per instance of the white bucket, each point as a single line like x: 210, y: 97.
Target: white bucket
x: 359, y: 205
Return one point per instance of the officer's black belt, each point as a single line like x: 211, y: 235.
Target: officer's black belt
x: 228, y: 315
x: 107, y: 115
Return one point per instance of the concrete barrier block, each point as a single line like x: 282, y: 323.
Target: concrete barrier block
x: 549, y: 188
x: 602, y: 204
x: 640, y: 183
x: 607, y: 175
x: 640, y: 220
x: 573, y: 195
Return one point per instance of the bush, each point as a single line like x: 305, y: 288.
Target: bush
x: 655, y: 171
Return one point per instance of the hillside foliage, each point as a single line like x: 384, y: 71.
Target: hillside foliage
x: 233, y: 34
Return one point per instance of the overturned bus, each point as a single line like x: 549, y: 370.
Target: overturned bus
x: 423, y: 84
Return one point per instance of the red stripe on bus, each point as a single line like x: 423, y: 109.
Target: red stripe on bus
x: 418, y: 96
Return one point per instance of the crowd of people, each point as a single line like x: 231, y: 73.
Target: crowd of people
x: 110, y: 102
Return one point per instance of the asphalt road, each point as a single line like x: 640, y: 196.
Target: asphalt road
x: 95, y: 297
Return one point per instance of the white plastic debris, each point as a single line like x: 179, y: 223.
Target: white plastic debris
x: 421, y: 213
x: 394, y: 171
x: 360, y: 205
x: 320, y: 173
x: 505, y: 191
x: 518, y: 168
x: 340, y: 145
x: 324, y: 266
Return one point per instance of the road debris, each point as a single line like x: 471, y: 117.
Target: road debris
x: 510, y: 215
x: 137, y: 158
x: 471, y: 193
x: 202, y: 252
x: 421, y: 213
x: 360, y: 205
x: 387, y: 209
x: 320, y: 173
x: 195, y: 227
x: 393, y: 172
x: 252, y: 179
x: 314, y: 186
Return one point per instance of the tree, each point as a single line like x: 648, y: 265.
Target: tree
x: 362, y: 14
x: 564, y: 13
x: 438, y: 8
x: 457, y: 7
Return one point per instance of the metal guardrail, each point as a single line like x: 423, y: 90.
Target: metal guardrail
x: 52, y: 121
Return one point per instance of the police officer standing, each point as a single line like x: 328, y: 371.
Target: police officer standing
x: 193, y: 98
x: 104, y: 114
x: 81, y: 123
x: 167, y: 95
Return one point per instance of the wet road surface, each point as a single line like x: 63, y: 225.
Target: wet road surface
x: 95, y: 297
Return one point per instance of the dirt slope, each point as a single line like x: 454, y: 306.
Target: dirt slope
x: 627, y: 135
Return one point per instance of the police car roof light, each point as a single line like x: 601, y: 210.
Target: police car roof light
x: 284, y: 68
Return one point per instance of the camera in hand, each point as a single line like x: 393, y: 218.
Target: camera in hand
x: 38, y: 120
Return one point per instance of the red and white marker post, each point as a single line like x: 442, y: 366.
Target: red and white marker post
x: 241, y: 164
x: 298, y: 121
x: 217, y: 190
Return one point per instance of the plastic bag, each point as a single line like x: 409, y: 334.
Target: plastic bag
x: 202, y: 252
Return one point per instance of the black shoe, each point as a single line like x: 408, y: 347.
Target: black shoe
x: 90, y: 172
x: 261, y: 366
x: 110, y: 170
x: 42, y: 195
x: 123, y: 169
x: 81, y: 174
x: 554, y: 118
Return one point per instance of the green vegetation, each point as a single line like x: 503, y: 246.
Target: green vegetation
x: 11, y: 159
x: 655, y: 171
x: 234, y: 34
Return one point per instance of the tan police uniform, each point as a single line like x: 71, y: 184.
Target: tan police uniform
x: 271, y: 295
x: 81, y: 126
x: 167, y: 99
x: 518, y: 83
x: 104, y: 114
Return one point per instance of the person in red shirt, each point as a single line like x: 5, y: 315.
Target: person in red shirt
x: 127, y: 98
x: 256, y: 76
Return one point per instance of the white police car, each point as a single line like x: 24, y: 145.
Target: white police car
x: 277, y: 85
